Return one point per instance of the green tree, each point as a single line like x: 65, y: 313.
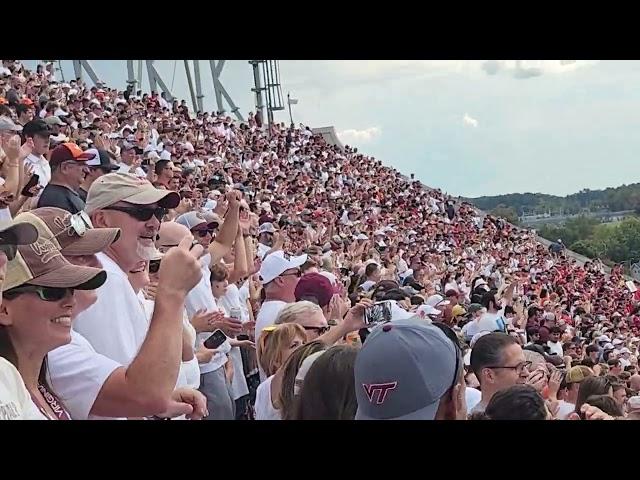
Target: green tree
x: 508, y: 213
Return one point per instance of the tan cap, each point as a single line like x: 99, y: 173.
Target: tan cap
x: 74, y: 233
x: 578, y: 373
x: 41, y: 263
x: 124, y: 187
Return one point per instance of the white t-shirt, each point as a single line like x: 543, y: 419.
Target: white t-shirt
x: 555, y: 347
x: 565, y: 409
x: 492, y: 322
x: 472, y: 397
x: 116, y: 325
x: 76, y: 375
x: 262, y: 250
x: 267, y: 315
x: 263, y: 406
x: 41, y: 168
x: 366, y: 286
x: 239, y: 387
x: 200, y: 297
x: 124, y: 168
x: 15, y: 401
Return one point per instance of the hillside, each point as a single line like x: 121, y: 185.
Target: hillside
x: 625, y: 197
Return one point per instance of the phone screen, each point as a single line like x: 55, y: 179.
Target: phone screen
x: 377, y: 314
x: 216, y: 339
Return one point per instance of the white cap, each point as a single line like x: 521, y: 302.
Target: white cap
x: 399, y: 313
x: 604, y: 338
x: 617, y: 341
x: 608, y: 346
x: 625, y: 350
x: 210, y: 204
x: 634, y: 403
x: 266, y: 228
x: 477, y: 336
x: 277, y: 263
x: 362, y: 236
x: 434, y: 300
x: 424, y: 310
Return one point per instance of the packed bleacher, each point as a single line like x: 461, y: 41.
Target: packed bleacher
x: 159, y: 263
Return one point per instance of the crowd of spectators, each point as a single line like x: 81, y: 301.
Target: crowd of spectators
x: 162, y: 263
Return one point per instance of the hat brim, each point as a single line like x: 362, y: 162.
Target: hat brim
x: 20, y: 233
x: 426, y: 413
x: 72, y: 276
x: 93, y: 241
x: 164, y: 198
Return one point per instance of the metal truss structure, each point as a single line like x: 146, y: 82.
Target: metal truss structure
x: 266, y: 76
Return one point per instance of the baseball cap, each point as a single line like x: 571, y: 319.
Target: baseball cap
x: 278, y: 262
x: 458, y: 310
x: 474, y: 307
x: 634, y: 403
x: 54, y: 120
x: 604, y: 338
x: 125, y: 187
x: 617, y: 341
x: 35, y: 127
x: 191, y: 219
x: 7, y: 125
x: 403, y: 370
x: 101, y: 158
x: 42, y: 264
x: 266, y: 228
x: 434, y: 300
x: 74, y: 233
x: 314, y: 285
x: 424, y: 310
x: 577, y: 374
x: 68, y: 151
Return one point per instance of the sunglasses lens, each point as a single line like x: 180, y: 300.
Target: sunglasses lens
x: 52, y: 294
x: 154, y: 266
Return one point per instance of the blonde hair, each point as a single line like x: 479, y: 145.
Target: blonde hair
x: 292, y: 312
x: 273, y: 342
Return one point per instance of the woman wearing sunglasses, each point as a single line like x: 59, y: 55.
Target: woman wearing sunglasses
x: 35, y: 316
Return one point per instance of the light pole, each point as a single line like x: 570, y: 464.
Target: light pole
x: 291, y: 101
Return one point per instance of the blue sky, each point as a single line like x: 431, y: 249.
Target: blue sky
x: 469, y: 127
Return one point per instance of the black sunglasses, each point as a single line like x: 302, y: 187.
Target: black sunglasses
x: 154, y: 266
x: 320, y: 330
x: 48, y: 294
x: 142, y: 214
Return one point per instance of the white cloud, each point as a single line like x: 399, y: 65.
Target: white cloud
x: 522, y: 69
x: 469, y: 121
x: 354, y: 136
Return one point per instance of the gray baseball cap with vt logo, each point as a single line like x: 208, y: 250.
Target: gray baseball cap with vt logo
x: 402, y: 371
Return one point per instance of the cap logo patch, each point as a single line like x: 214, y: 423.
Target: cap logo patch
x: 46, y: 250
x: 377, y: 392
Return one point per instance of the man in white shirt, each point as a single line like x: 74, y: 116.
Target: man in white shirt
x: 554, y: 343
x: 213, y: 383
x: 569, y: 388
x: 265, y: 239
x: 117, y: 329
x: 39, y: 131
x: 279, y: 274
x: 129, y: 161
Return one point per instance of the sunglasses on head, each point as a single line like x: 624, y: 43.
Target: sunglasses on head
x: 141, y: 214
x: 48, y: 294
x: 319, y: 330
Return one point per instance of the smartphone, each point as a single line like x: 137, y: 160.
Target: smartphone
x: 33, y: 181
x: 216, y: 339
x: 377, y: 314
x: 242, y: 336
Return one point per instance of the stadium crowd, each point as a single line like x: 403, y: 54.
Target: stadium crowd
x: 158, y: 263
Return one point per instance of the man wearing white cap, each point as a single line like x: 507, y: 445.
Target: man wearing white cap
x: 279, y: 274
x: 265, y: 239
